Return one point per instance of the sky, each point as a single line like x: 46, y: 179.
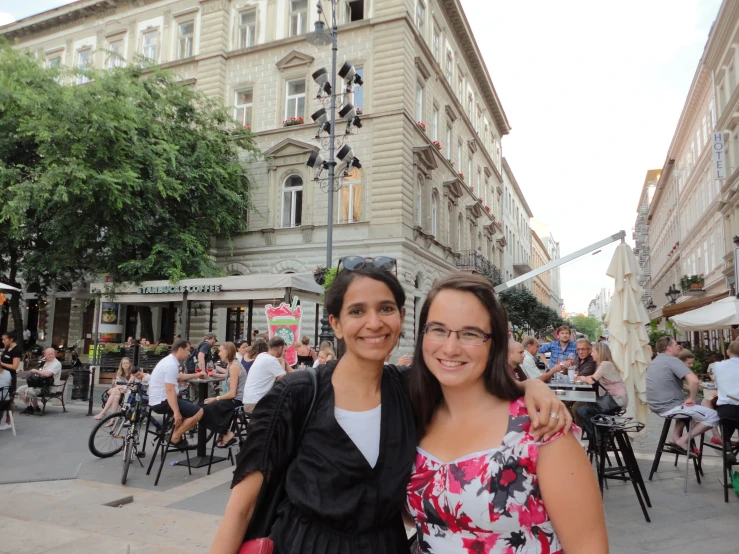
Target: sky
x: 593, y: 92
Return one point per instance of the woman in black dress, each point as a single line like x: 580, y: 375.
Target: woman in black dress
x: 345, y: 486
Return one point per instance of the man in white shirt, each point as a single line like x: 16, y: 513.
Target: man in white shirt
x: 51, y: 368
x: 264, y: 372
x: 163, y: 398
x: 530, y: 348
x: 727, y: 384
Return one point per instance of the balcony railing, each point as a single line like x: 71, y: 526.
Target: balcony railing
x: 475, y: 261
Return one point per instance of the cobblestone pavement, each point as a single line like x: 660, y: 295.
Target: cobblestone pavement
x: 49, y: 476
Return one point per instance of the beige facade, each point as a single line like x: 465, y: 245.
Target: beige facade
x: 516, y: 228
x: 541, y: 284
x: 419, y: 62
x: 693, y: 212
x: 641, y: 233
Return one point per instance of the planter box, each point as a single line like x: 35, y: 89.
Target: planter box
x: 696, y: 286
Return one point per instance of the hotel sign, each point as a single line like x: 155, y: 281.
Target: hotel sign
x: 719, y: 156
x: 169, y: 289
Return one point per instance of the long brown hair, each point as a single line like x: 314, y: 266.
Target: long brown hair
x: 604, y: 354
x: 425, y: 390
x: 120, y: 371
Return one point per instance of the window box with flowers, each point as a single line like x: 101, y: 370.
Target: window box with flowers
x: 437, y: 144
x: 692, y: 282
x: 292, y: 122
x: 488, y: 209
x: 479, y: 199
x: 422, y: 125
x: 461, y: 175
x: 359, y: 111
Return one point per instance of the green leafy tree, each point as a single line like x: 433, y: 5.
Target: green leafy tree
x: 524, y: 310
x: 129, y: 176
x: 587, y: 325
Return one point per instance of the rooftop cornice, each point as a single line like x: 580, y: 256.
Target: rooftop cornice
x: 507, y: 169
x: 56, y: 17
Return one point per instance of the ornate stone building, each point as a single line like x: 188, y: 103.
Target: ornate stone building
x: 429, y: 206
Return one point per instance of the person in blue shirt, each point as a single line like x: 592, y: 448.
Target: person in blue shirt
x: 563, y: 347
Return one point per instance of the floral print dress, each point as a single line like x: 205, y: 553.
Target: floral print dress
x: 484, y: 503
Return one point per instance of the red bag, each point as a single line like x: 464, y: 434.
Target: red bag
x: 257, y: 546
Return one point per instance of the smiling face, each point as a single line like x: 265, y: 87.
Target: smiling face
x: 452, y: 363
x: 370, y: 320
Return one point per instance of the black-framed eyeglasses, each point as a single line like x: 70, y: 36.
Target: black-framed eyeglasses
x: 467, y: 337
x: 354, y: 263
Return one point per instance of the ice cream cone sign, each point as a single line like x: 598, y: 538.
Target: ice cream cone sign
x: 284, y: 322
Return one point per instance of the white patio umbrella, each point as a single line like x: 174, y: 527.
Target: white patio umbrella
x: 3, y: 286
x: 626, y: 320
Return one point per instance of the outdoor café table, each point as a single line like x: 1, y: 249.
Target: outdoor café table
x: 576, y: 395
x: 202, y: 459
x: 567, y: 385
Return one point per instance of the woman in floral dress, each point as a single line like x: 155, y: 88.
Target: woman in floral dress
x: 481, y: 484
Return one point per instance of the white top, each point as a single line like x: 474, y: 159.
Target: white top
x: 726, y: 374
x: 165, y: 372
x: 364, y: 430
x: 55, y: 366
x: 262, y: 375
x: 529, y: 366
x: 5, y: 379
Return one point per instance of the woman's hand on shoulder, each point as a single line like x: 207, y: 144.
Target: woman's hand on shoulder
x: 548, y: 413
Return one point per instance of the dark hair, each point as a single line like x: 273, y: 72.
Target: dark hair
x: 425, y: 391
x: 662, y: 344
x: 719, y: 357
x: 335, y: 294
x: 276, y: 342
x: 259, y: 347
x: 179, y: 344
x: 12, y: 335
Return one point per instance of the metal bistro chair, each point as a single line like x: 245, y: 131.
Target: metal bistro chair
x: 662, y: 447
x: 6, y: 407
x: 613, y: 437
x: 239, y: 425
x: 164, y: 441
x: 728, y: 452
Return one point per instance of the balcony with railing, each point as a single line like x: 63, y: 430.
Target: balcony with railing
x: 472, y: 260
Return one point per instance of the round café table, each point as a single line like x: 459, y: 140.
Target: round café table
x: 202, y: 459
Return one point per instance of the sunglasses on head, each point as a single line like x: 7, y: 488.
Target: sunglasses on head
x: 355, y: 263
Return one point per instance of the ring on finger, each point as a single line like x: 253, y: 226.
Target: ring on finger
x: 554, y: 415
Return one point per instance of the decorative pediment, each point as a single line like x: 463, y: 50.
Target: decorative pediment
x: 426, y: 157
x: 487, y: 171
x: 294, y: 59
x: 499, y: 190
x: 454, y: 188
x: 472, y: 144
x: 289, y: 147
x: 475, y: 209
x: 450, y: 113
x: 422, y: 69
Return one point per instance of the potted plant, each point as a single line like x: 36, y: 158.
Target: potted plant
x: 292, y: 122
x: 692, y: 282
x: 437, y: 144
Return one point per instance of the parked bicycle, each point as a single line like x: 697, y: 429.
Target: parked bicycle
x: 121, y: 431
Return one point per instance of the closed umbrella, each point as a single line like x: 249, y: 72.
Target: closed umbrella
x: 627, y: 320
x: 3, y: 286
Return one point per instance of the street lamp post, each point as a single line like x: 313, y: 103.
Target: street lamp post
x: 327, y: 122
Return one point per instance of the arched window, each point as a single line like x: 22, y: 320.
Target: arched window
x: 434, y: 214
x: 419, y: 201
x: 459, y: 233
x: 292, y: 201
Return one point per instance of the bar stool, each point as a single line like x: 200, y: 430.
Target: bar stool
x: 239, y: 425
x: 663, y: 447
x: 728, y: 451
x: 164, y: 441
x: 613, y: 437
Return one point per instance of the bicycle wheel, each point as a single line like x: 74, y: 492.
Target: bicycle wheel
x: 127, y: 454
x: 104, y: 441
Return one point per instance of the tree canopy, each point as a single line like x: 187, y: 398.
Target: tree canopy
x: 524, y: 310
x: 128, y: 175
x: 586, y: 325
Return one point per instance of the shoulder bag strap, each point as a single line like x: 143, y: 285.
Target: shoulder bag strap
x: 275, y: 499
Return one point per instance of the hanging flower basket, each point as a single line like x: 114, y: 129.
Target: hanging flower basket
x: 437, y: 144
x: 292, y: 122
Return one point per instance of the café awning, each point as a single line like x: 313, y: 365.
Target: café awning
x: 722, y: 314
x: 694, y: 303
x: 222, y: 291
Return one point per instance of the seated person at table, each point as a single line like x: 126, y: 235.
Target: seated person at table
x: 608, y: 375
x: 117, y: 389
x: 259, y: 347
x: 726, y: 375
x: 163, y: 392
x: 265, y: 371
x: 584, y: 363
x: 306, y: 355
x: 218, y: 412
x: 665, y: 375
x: 529, y: 365
x: 713, y: 360
x: 515, y: 359
x: 561, y: 348
x: 709, y: 396
x: 325, y: 354
x: 51, y: 368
